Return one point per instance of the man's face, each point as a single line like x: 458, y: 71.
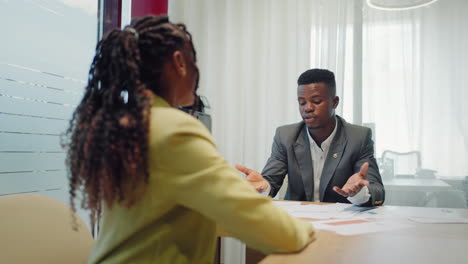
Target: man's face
x: 316, y: 106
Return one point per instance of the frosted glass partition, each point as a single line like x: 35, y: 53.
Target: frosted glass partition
x: 45, y: 53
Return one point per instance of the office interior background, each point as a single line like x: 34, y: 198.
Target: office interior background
x: 401, y: 68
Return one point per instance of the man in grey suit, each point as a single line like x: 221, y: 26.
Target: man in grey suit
x: 325, y: 158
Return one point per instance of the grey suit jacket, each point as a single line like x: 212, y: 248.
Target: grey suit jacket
x: 351, y: 147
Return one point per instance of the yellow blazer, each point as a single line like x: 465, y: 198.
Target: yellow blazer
x: 191, y: 190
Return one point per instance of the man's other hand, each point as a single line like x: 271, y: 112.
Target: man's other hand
x: 254, y: 178
x: 354, y: 183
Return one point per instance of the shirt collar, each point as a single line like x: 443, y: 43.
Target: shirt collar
x: 327, y: 142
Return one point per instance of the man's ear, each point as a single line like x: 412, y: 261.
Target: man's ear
x: 179, y: 62
x: 336, y: 101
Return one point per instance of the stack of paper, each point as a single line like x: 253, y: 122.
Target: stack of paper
x: 357, y: 226
x: 316, y: 211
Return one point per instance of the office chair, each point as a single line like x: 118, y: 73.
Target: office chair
x: 405, y: 165
x: 37, y: 229
x: 198, y: 110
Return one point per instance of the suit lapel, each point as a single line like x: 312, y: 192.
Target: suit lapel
x: 335, y: 153
x: 303, y: 156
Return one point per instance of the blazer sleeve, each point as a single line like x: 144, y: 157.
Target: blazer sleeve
x: 203, y: 181
x: 366, y: 154
x: 276, y: 167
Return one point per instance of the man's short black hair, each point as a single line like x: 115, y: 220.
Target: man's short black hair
x: 319, y: 76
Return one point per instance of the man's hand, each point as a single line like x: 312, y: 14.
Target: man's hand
x: 254, y: 178
x: 354, y: 183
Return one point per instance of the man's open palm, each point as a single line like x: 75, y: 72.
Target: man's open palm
x: 354, y: 183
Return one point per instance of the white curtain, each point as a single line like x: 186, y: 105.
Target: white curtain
x: 416, y: 83
x: 250, y: 56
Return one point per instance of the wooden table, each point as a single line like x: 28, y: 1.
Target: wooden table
x: 419, y: 243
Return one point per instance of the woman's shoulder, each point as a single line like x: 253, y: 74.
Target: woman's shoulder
x: 167, y: 121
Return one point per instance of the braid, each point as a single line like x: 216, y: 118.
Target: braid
x: 107, y: 138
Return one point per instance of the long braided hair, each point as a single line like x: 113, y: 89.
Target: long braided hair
x: 107, y: 139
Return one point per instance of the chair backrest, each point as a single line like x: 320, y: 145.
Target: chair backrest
x: 37, y: 229
x: 405, y: 164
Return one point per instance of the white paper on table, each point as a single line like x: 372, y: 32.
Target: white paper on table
x: 433, y: 215
x: 282, y: 204
x: 287, y: 206
x: 356, y: 226
x: 380, y: 212
x: 350, y: 211
x: 316, y: 211
x: 337, y: 210
x: 427, y: 220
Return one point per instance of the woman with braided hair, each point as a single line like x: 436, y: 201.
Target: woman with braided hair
x: 151, y: 173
